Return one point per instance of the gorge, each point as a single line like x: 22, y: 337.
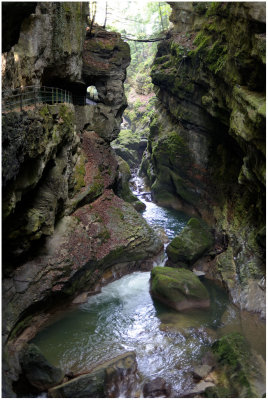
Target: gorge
x: 79, y: 245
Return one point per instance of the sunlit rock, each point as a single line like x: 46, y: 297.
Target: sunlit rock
x: 178, y: 288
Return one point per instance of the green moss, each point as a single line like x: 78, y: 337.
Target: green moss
x: 183, y: 190
x: 226, y: 266
x: 202, y: 40
x: 168, y: 147
x: 177, y: 50
x: 233, y: 353
x: 200, y: 7
x: 89, y: 194
x: 80, y: 172
x: 193, y: 241
x: 176, y: 284
x: 259, y: 47
x: 216, y: 56
x: 217, y: 8
x: 114, y: 255
x: 161, y: 60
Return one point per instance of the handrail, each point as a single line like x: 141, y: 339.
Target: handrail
x: 21, y: 97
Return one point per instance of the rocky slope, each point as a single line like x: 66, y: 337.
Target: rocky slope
x: 206, y: 148
x: 65, y: 230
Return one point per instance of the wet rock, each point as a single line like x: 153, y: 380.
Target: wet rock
x: 242, y: 371
x: 158, y: 387
x: 193, y: 241
x: 38, y: 371
x: 178, y: 288
x: 81, y: 298
x: 110, y: 379
x: 209, y: 359
x: 108, y: 233
x: 200, y: 388
x: 195, y: 169
x: 201, y: 371
x: 123, y: 189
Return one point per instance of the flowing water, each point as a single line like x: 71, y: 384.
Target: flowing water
x: 123, y: 317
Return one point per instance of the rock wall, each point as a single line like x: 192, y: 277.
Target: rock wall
x: 65, y: 230
x: 206, y: 150
x: 50, y: 44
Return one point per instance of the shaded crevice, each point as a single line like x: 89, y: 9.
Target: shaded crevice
x: 13, y: 14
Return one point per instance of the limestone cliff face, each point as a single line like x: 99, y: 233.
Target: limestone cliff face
x: 65, y: 230
x: 43, y: 160
x: 49, y: 44
x: 206, y: 151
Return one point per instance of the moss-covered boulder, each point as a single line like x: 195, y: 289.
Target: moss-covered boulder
x: 194, y: 240
x: 241, y: 372
x: 178, y: 288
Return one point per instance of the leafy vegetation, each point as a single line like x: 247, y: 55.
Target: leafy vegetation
x: 142, y: 22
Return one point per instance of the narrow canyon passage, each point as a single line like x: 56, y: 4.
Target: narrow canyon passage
x: 123, y: 317
x: 133, y: 200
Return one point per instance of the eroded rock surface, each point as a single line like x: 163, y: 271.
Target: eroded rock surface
x: 110, y: 379
x: 178, y: 288
x: 205, y: 152
x: 65, y: 230
x: 38, y: 371
x: 193, y: 241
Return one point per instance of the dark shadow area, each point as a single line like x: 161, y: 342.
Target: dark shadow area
x: 13, y: 14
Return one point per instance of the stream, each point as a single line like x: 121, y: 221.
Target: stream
x: 124, y: 317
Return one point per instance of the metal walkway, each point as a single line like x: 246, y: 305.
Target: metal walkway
x: 21, y: 98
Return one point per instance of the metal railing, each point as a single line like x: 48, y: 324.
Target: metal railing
x: 20, y: 98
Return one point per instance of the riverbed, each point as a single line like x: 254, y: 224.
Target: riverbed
x: 124, y: 317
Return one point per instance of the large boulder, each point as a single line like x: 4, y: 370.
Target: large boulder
x: 193, y: 241
x: 178, y: 288
x: 38, y: 371
x: 107, y: 380
x: 240, y: 371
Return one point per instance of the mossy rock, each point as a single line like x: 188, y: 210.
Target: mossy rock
x: 123, y: 189
x: 193, y: 241
x: 178, y: 288
x: 238, y: 368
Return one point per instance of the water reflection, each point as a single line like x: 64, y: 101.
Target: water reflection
x: 123, y: 317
